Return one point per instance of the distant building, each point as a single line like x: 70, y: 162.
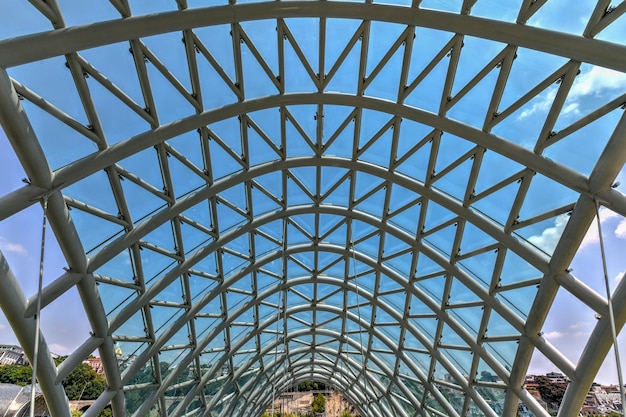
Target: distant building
x: 600, y: 400
x: 95, y: 364
x: 12, y: 355
x: 300, y: 403
x: 557, y: 378
x: 605, y: 399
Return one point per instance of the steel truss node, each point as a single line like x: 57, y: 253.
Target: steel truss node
x: 344, y: 192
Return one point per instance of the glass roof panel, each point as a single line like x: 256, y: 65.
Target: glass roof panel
x: 493, y: 9
x: 308, y: 174
x: 62, y: 143
x: 571, y: 19
x: 614, y: 32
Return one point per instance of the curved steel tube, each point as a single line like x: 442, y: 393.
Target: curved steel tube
x: 69, y: 42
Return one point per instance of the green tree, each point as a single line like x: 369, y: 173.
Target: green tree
x: 59, y: 360
x: 83, y: 383
x: 311, y: 386
x: 16, y: 374
x: 104, y: 413
x: 318, y: 404
x: 135, y: 398
x: 488, y: 377
x: 551, y: 392
x: 307, y: 386
x: 107, y: 412
x: 346, y: 413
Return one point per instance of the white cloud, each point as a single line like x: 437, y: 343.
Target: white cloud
x: 557, y: 335
x: 59, y: 349
x: 580, y: 325
x: 571, y: 108
x: 592, y: 236
x: 7, y: 246
x: 596, y: 81
x: 620, y: 230
x: 543, y: 104
x: 554, y: 335
x: 550, y: 236
x: 592, y: 83
x: 618, y: 277
x: 2, y: 326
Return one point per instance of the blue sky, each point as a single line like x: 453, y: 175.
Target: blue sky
x: 569, y: 323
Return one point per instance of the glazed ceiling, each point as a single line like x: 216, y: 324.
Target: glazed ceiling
x: 252, y: 195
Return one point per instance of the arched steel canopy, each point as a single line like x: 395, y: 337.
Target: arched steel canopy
x: 360, y: 194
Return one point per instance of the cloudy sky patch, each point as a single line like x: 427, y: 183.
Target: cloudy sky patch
x: 541, y: 105
x: 550, y: 236
x: 596, y: 82
x: 60, y: 349
x: 7, y: 246
x: 592, y: 236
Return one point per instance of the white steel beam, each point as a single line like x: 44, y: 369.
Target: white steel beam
x: 13, y: 304
x: 67, y: 175
x: 36, y: 47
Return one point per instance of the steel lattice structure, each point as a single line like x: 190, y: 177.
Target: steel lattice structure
x: 314, y: 190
